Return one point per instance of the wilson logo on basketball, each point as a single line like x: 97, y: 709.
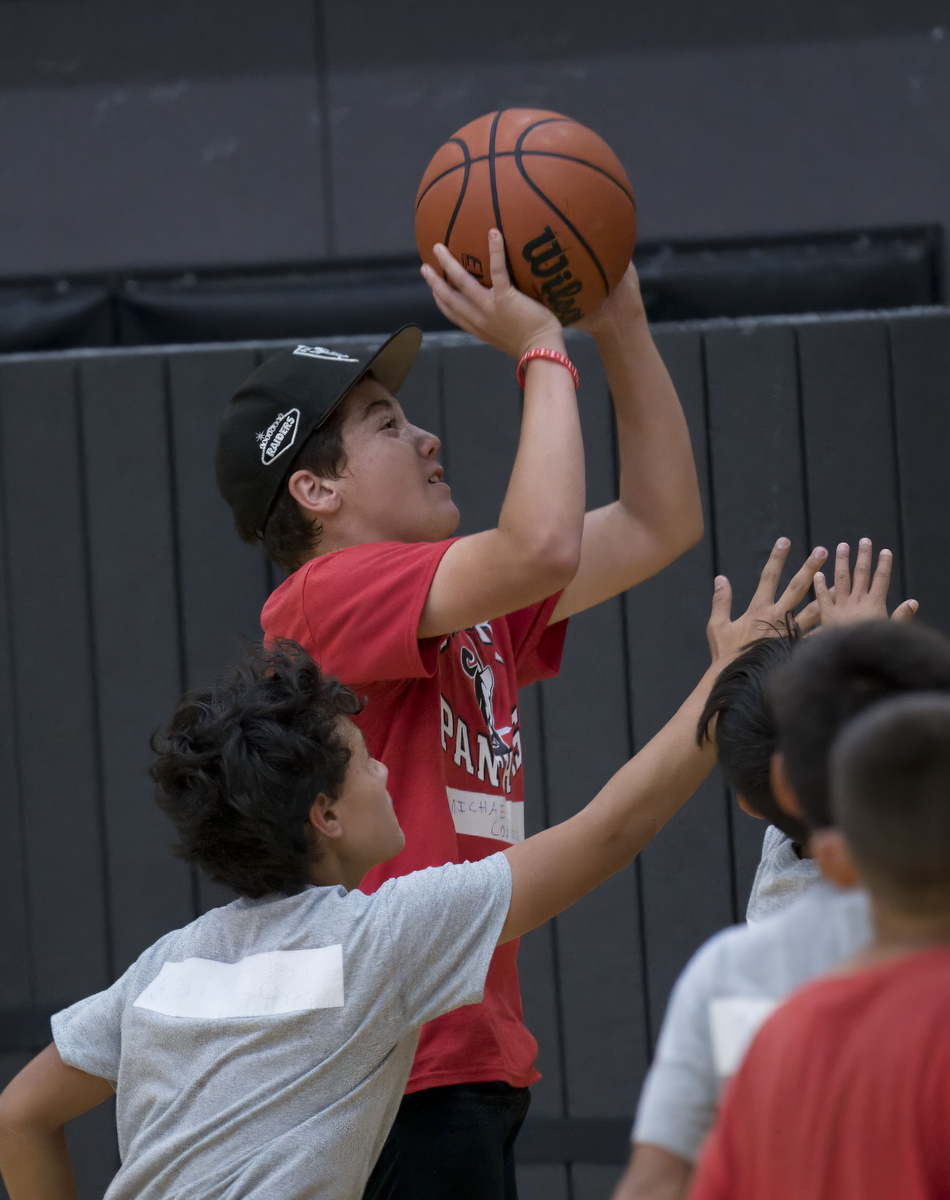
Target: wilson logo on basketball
x: 279, y: 435
x: 547, y: 261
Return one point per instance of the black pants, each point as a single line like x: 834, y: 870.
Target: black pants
x: 452, y: 1143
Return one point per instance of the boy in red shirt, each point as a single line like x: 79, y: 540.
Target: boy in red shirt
x: 318, y: 460
x: 845, y: 1093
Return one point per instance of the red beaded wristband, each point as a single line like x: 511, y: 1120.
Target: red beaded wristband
x: 554, y: 356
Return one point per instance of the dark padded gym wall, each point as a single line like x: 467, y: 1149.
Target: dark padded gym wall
x: 126, y: 582
x: 189, y: 133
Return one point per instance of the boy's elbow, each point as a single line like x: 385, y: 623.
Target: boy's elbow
x: 696, y: 527
x: 557, y: 560
x: 684, y: 534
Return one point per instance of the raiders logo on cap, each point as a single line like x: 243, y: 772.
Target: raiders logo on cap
x: 278, y: 436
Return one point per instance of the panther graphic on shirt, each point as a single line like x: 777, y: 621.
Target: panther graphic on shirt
x: 492, y: 753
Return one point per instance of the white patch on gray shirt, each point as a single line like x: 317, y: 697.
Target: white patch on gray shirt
x: 260, y: 985
x: 240, y: 1071
x: 749, y: 967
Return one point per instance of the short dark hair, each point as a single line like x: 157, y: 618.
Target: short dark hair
x: 890, y: 788
x: 745, y: 732
x: 242, y: 761
x: 291, y: 538
x: 836, y: 674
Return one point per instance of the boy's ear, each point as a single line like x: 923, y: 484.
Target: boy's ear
x: 782, y: 789
x: 747, y: 807
x: 319, y: 496
x: 830, y: 851
x: 323, y: 817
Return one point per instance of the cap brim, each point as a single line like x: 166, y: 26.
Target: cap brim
x: 390, y: 364
x: 393, y: 361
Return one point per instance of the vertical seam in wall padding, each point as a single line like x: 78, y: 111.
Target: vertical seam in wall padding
x: 179, y: 575
x: 321, y: 58
x: 727, y: 799
x: 641, y: 932
x: 802, y: 439
x: 15, y: 730
x: 98, y: 773
x: 895, y: 450
x: 542, y: 768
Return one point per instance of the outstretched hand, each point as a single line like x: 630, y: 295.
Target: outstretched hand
x: 862, y: 599
x: 500, y: 315
x: 766, y: 615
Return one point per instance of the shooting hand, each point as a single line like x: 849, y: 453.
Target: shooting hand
x: 500, y: 315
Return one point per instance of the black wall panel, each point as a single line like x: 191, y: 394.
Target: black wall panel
x: 122, y: 581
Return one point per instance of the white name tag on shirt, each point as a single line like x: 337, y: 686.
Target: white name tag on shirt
x: 482, y: 815
x: 261, y: 985
x: 733, y: 1023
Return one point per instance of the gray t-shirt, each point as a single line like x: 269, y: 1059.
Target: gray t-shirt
x: 781, y: 876
x: 725, y: 992
x: 262, y: 1051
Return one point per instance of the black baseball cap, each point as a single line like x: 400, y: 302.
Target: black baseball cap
x: 277, y: 408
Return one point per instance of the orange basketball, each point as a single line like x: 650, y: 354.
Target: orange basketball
x: 555, y: 190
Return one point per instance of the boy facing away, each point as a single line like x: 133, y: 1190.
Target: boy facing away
x: 318, y: 460
x: 738, y: 976
x: 845, y: 1092
x: 262, y: 1051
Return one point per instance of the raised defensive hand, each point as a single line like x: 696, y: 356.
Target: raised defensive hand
x: 766, y: 616
x: 500, y: 315
x: 862, y: 598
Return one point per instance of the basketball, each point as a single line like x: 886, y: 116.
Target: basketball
x: 554, y: 189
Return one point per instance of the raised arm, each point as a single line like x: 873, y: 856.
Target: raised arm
x: 536, y: 547
x: 658, y: 514
x: 555, y: 868
x: 34, y: 1109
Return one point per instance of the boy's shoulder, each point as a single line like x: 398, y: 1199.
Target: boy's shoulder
x: 772, y: 956
x: 355, y: 578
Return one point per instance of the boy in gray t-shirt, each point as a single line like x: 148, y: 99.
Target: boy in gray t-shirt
x: 262, y: 1051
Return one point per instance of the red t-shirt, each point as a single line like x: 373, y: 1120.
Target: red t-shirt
x: 442, y: 714
x: 844, y: 1094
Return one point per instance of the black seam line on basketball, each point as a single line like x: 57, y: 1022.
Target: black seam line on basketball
x: 553, y: 207
x: 458, y: 203
x: 494, y: 190
x: 527, y: 154
x: 569, y: 157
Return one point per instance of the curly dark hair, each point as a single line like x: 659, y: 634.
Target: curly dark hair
x: 241, y: 762
x: 291, y: 538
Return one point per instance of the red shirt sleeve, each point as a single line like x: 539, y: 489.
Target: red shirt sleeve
x: 538, y: 646
x: 362, y: 606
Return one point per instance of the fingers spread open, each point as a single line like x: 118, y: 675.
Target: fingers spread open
x: 809, y: 617
x: 882, y: 576
x: 843, y: 570
x: 822, y: 596
x: 905, y: 612
x: 771, y: 572
x: 801, y: 581
x: 721, y: 601
x: 862, y: 568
